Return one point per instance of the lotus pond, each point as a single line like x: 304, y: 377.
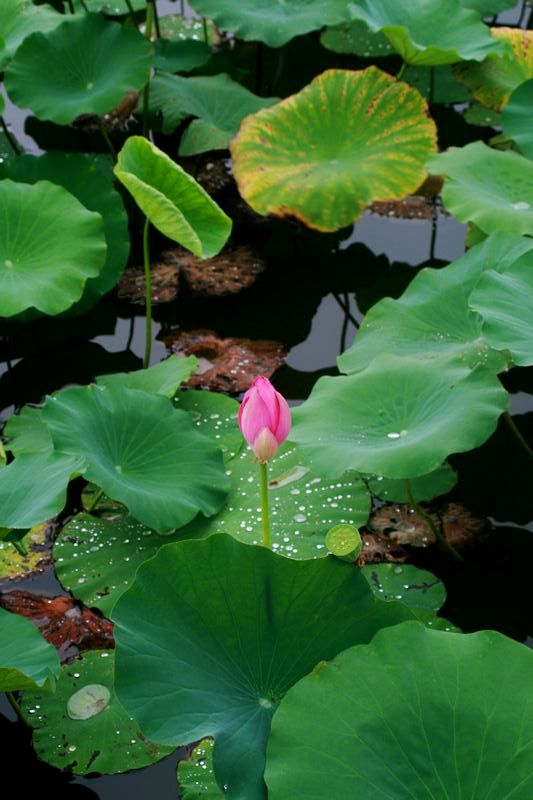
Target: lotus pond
x: 337, y: 196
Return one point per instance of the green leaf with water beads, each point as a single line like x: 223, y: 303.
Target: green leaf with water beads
x: 482, y: 116
x: 417, y: 713
x: 491, y: 188
x: 218, y: 102
x: 228, y: 645
x: 417, y: 588
x: 163, y: 378
x: 432, y: 318
x: 19, y: 19
x: 82, y: 727
x: 43, y: 262
x: 356, y: 37
x: 27, y: 661
x: 435, y: 33
x: 141, y: 451
x: 171, y: 199
x: 84, y: 66
x: 96, y: 558
x: 81, y: 176
x: 196, y: 777
x: 289, y: 160
x: 111, y: 8
x: 215, y: 415
x: 303, y: 506
x: 274, y: 22
x: 399, y: 417
x: 516, y: 118
x: 503, y: 299
x: 426, y: 487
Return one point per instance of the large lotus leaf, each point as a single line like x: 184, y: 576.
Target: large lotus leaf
x: 162, y: 378
x: 80, y: 176
x: 196, y: 777
x: 181, y: 55
x: 516, y: 118
x: 355, y: 37
x: 215, y: 415
x: 431, y: 33
x: 400, y: 417
x: 432, y: 319
x: 171, y: 199
x: 217, y: 101
x: 82, y: 727
x: 27, y: 661
x: 437, y: 84
x: 274, y: 22
x: 425, y: 487
x: 50, y: 246
x: 20, y: 18
x: 493, y: 81
x: 491, y: 188
x: 96, y: 559
x: 26, y: 432
x: 415, y: 587
x: 415, y: 714
x: 303, y: 506
x: 504, y: 301
x: 213, y: 656
x: 323, y: 154
x: 488, y: 8
x: 33, y: 487
x: 83, y: 66
x: 141, y: 451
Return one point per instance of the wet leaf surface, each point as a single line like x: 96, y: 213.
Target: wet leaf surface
x: 415, y: 587
x: 196, y: 777
x: 226, y: 364
x: 107, y: 742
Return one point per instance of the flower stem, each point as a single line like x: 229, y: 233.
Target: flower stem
x: 94, y: 501
x: 146, y: 93
x: 16, y: 708
x: 264, y: 504
x: 12, y: 141
x: 435, y: 529
x: 516, y: 433
x: 401, y: 71
x: 148, y: 280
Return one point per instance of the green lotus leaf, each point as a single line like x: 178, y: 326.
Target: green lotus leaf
x: 493, y: 81
x: 215, y: 415
x: 274, y: 22
x: 84, y: 66
x: 491, y: 188
x: 417, y: 588
x: 516, y: 118
x: 181, y: 55
x: 19, y: 19
x: 112, y: 8
x: 81, y: 176
x: 171, y: 199
x: 482, y: 116
x: 489, y: 8
x: 50, y: 246
x: 415, y: 714
x: 163, y: 378
x: 433, y: 314
x: 141, y: 451
x: 437, y: 84
x: 356, y: 37
x: 196, y: 777
x: 82, y: 727
x: 325, y: 153
x: 26, y: 432
x: 177, y: 28
x: 303, y: 506
x: 13, y: 564
x: 27, y: 661
x: 435, y: 33
x: 503, y: 299
x: 219, y: 103
x: 426, y: 487
x: 400, y: 417
x: 33, y: 487
x: 226, y: 646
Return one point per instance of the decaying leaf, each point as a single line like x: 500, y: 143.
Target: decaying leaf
x: 404, y: 526
x: 165, y: 283
x: 230, y: 272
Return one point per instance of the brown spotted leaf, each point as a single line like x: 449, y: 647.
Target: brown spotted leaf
x: 322, y: 155
x: 227, y: 365
x: 229, y: 272
x: 165, y: 283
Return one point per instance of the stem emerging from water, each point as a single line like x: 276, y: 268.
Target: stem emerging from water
x: 148, y: 279
x: 516, y: 433
x: 264, y: 504
x: 435, y: 529
x: 10, y: 138
x: 146, y: 93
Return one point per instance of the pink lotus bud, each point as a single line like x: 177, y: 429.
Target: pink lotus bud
x: 264, y: 418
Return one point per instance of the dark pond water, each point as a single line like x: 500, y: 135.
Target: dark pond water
x: 295, y: 303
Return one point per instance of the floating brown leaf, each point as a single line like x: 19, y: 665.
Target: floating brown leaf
x: 63, y: 621
x: 227, y: 365
x: 165, y: 283
x: 230, y: 272
x: 378, y: 548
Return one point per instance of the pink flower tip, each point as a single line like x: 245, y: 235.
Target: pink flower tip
x: 264, y: 418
